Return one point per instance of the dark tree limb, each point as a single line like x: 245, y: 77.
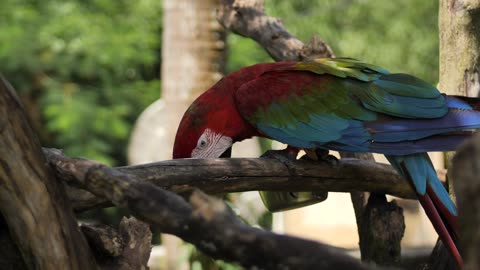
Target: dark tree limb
x: 205, y: 221
x: 32, y: 201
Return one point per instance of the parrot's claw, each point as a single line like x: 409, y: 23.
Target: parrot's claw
x: 281, y: 201
x: 321, y: 155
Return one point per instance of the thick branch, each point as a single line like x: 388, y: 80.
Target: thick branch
x: 246, y: 174
x: 466, y: 168
x: 205, y: 222
x: 33, y: 203
x: 247, y: 18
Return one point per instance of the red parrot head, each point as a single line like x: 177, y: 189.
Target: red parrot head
x: 202, y: 133
x: 211, y: 125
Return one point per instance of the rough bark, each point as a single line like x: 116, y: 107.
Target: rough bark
x: 247, y: 18
x: 205, y: 221
x: 466, y: 169
x: 33, y: 203
x: 125, y: 248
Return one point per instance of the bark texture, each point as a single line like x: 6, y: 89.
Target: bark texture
x: 459, y: 27
x: 125, y: 248
x: 33, y: 203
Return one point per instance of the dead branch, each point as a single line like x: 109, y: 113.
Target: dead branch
x: 204, y: 221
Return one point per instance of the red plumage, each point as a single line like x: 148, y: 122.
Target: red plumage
x: 217, y: 108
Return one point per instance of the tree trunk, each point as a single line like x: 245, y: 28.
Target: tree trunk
x: 33, y: 203
x: 193, y: 59
x: 459, y: 28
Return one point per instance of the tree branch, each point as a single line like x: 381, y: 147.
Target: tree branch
x: 244, y: 174
x: 247, y: 18
x: 205, y: 221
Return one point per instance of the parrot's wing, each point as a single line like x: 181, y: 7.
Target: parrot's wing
x: 346, y: 105
x: 331, y: 101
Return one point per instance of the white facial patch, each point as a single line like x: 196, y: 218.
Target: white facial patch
x: 211, y: 145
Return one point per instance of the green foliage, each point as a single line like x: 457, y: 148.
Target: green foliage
x: 88, y: 67
x: 401, y: 36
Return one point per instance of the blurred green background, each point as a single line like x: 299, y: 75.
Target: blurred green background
x: 86, y: 69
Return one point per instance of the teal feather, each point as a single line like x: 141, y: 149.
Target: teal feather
x: 419, y: 169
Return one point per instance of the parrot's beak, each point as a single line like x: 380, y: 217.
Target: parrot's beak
x: 227, y: 153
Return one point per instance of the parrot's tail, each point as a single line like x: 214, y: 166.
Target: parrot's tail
x: 434, y: 198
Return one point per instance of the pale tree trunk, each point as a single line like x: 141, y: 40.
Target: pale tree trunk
x: 459, y: 29
x: 193, y: 59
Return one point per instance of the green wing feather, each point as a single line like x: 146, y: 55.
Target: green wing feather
x: 345, y: 89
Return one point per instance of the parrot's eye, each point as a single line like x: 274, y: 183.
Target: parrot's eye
x: 202, y: 141
x: 211, y: 145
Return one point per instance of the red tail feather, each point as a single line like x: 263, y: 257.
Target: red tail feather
x: 443, y: 222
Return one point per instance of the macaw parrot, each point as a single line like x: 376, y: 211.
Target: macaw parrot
x: 338, y: 104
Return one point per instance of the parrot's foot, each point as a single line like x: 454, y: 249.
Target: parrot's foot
x: 286, y: 156
x: 321, y: 155
x: 281, y: 201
